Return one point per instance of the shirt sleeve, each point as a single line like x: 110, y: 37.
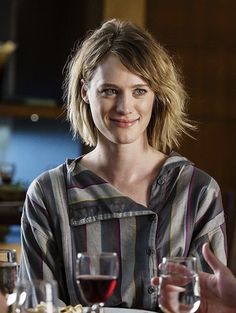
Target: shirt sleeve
x: 210, y: 226
x: 40, y: 257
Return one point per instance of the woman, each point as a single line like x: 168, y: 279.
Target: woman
x: 132, y: 193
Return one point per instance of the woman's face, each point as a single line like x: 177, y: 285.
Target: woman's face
x: 120, y: 102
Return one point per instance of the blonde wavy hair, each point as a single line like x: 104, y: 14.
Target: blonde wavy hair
x: 142, y: 55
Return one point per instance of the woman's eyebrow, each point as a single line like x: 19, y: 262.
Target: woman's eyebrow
x: 108, y: 85
x: 117, y: 86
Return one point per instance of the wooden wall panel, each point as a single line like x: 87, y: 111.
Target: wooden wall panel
x: 133, y: 10
x: 202, y: 23
x: 201, y: 36
x: 210, y: 77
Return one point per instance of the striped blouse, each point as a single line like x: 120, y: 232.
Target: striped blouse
x: 70, y: 209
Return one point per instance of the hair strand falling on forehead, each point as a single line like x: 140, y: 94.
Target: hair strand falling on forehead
x: 142, y: 55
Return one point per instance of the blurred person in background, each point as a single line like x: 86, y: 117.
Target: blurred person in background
x: 132, y: 194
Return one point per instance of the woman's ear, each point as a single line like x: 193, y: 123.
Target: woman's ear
x: 84, y: 91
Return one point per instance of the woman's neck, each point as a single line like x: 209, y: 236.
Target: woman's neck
x: 122, y: 163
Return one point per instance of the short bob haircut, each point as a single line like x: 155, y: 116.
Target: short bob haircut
x: 142, y: 55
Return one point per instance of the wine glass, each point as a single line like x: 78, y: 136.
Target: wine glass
x: 8, y: 273
x: 179, y: 290
x: 36, y: 296
x: 6, y: 172
x: 97, y: 277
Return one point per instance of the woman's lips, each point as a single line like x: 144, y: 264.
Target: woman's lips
x: 123, y: 123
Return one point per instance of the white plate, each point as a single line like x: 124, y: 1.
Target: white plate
x: 121, y: 310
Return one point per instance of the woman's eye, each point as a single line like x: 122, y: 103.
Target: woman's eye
x: 140, y: 91
x: 109, y: 92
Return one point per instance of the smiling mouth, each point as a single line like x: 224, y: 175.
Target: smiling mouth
x: 123, y: 123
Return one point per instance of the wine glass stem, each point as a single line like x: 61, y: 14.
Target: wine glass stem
x: 96, y: 308
x: 101, y: 305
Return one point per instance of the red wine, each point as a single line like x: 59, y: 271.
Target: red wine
x: 98, y: 288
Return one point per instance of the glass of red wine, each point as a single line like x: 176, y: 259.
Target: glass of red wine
x: 96, y: 276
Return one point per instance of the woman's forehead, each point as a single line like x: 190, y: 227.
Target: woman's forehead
x: 112, y: 71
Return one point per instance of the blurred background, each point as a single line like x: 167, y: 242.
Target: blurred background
x: 36, y: 39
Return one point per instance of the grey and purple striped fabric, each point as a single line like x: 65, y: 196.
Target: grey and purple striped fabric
x: 69, y: 209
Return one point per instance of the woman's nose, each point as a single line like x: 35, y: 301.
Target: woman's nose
x: 124, y: 105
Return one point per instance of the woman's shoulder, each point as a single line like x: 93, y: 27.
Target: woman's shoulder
x: 61, y: 169
x: 46, y: 178
x: 187, y: 169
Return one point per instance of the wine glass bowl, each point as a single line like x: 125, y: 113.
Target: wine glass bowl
x: 6, y: 172
x: 97, y: 276
x: 8, y: 271
x: 179, y: 290
x: 36, y: 296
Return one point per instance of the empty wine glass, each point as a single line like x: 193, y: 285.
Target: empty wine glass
x: 36, y: 296
x: 179, y: 290
x: 97, y: 277
x: 6, y: 172
x: 8, y: 272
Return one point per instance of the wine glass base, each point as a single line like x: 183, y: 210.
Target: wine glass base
x: 95, y: 308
